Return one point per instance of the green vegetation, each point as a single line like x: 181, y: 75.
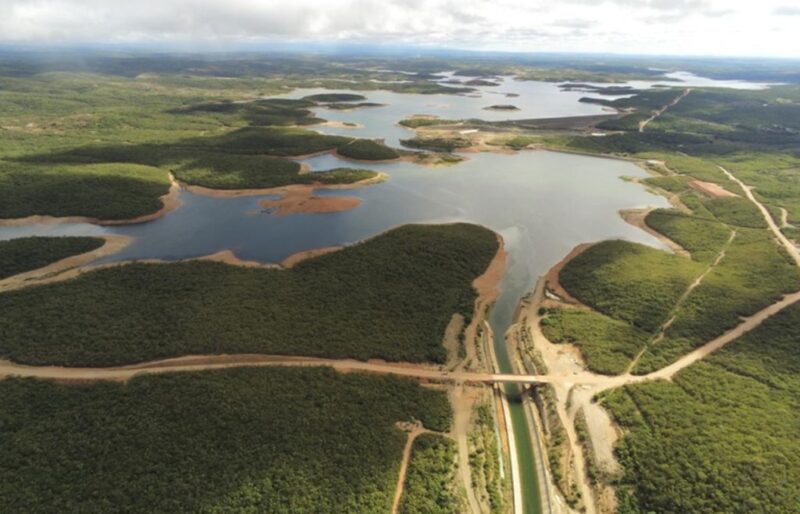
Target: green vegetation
x: 426, y: 122
x: 430, y: 480
x: 334, y: 97
x: 222, y: 171
x: 366, y: 150
x: 481, y: 82
x: 280, y: 440
x: 722, y: 436
x: 30, y: 253
x: 520, y: 142
x: 754, y: 273
x: 703, y: 238
x: 775, y: 177
x: 122, y: 181
x: 351, y: 106
x: 267, y: 112
x: 401, y: 287
x: 593, y: 471
x: 187, y: 116
x: 484, y: 459
x: 502, y: 107
x: 736, y: 211
x: 630, y: 282
x: 607, y: 345
x: 437, y: 144
x: 716, y: 438
x: 671, y: 183
x: 104, y: 191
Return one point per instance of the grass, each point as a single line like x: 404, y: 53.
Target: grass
x: 736, y: 211
x: 629, y: 282
x: 30, y: 253
x: 608, y: 346
x: 430, y: 480
x: 722, y: 436
x: 390, y: 298
x: 209, y: 442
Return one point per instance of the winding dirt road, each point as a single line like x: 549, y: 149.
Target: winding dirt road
x: 414, y: 431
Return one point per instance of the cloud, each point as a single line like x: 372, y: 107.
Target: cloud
x: 656, y: 26
x: 786, y: 10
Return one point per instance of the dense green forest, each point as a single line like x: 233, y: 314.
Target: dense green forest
x: 29, y: 253
x: 105, y: 191
x: 390, y: 297
x: 430, y: 486
x: 279, y: 440
x: 722, y: 436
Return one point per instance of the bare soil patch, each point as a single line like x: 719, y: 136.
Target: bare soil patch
x: 710, y: 189
x: 302, y: 200
x: 552, y: 282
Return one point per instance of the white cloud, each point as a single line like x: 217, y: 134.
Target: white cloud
x: 711, y: 27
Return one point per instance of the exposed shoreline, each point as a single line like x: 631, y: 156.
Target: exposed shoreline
x: 113, y: 244
x: 552, y: 282
x: 636, y: 218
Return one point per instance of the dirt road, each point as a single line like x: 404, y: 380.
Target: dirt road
x: 414, y: 431
x: 643, y: 124
x: 420, y: 371
x: 748, y: 191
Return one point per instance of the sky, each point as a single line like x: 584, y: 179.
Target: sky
x: 666, y: 27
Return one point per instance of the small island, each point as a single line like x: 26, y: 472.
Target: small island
x: 335, y: 97
x: 501, y: 107
x: 480, y: 82
x: 344, y: 106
